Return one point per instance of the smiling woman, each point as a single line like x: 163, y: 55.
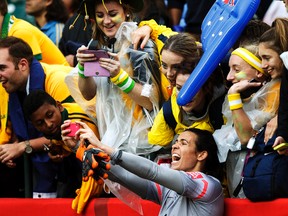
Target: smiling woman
x: 247, y: 107
x: 275, y: 41
x: 129, y: 99
x: 186, y: 188
x: 271, y: 45
x: 180, y: 55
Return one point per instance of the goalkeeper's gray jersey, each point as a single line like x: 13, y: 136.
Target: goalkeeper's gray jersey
x: 178, y: 192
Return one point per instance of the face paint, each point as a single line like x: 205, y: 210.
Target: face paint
x: 241, y: 75
x: 99, y: 20
x: 117, y: 19
x: 109, y: 22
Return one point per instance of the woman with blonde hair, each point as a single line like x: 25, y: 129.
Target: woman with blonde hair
x: 128, y: 100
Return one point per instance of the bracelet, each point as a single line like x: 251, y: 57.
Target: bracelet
x: 81, y: 70
x: 123, y: 81
x: 235, y: 101
x: 116, y: 157
x: 120, y: 77
x: 146, y: 90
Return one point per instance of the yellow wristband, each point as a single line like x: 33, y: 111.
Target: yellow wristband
x: 124, y: 76
x: 235, y: 101
x: 115, y: 79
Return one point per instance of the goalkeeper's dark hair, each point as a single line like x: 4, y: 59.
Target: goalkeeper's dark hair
x: 205, y: 142
x: 35, y: 100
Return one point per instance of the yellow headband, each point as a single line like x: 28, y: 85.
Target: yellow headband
x: 250, y: 58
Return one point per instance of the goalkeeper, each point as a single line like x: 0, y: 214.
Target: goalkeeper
x: 188, y: 188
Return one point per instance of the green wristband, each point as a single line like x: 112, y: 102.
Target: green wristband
x: 81, y: 70
x: 123, y: 83
x: 130, y: 88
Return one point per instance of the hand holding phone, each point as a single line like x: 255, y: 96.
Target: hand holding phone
x: 248, y: 92
x: 54, y: 149
x: 97, y: 53
x: 93, y: 68
x: 281, y: 147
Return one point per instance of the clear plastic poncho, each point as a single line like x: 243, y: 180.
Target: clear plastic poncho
x: 121, y: 122
x: 260, y: 108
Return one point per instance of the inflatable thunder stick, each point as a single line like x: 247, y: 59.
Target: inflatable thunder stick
x: 221, y: 28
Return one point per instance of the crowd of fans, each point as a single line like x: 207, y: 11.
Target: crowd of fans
x: 132, y: 131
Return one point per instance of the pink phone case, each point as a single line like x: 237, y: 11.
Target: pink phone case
x: 74, y: 128
x: 94, y: 68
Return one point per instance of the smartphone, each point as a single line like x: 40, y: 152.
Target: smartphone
x: 53, y: 149
x: 248, y: 92
x: 74, y: 127
x: 93, y: 68
x: 281, y: 147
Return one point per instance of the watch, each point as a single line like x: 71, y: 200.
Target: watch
x: 28, y: 148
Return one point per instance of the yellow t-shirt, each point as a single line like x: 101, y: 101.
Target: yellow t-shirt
x: 5, y: 130
x: 54, y: 85
x: 54, y: 81
x: 161, y: 133
x: 43, y: 48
